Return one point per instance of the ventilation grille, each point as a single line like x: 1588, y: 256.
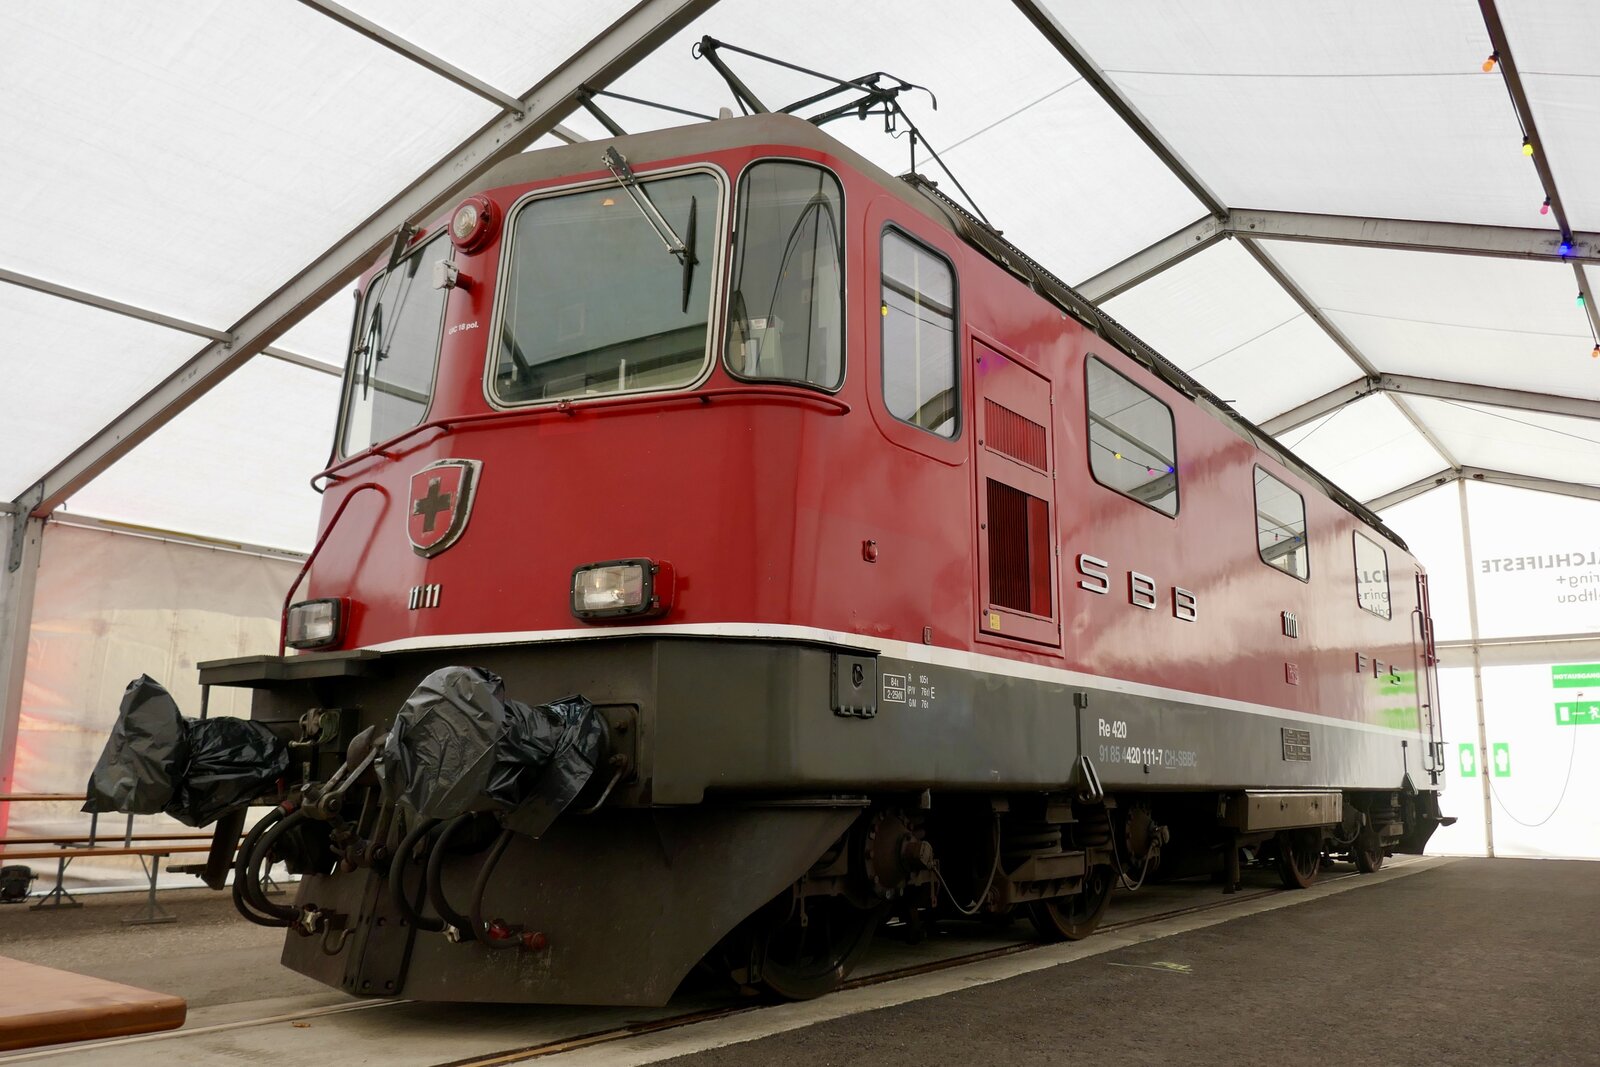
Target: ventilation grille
x: 1012, y: 435
x: 1019, y: 550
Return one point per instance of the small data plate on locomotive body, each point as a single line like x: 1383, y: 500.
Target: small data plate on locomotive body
x: 1296, y: 745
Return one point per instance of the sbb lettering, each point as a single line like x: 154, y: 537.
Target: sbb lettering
x: 1143, y: 591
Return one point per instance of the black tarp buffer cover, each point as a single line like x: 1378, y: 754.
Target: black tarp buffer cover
x: 458, y: 746
x: 193, y: 769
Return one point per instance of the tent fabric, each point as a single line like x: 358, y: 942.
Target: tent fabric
x: 191, y: 158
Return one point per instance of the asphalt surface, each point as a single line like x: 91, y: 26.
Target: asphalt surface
x: 1475, y: 962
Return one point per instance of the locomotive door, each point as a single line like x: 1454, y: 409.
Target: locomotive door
x: 1017, y: 561
x: 1426, y: 675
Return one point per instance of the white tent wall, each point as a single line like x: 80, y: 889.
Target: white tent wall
x: 109, y: 607
x: 1520, y: 685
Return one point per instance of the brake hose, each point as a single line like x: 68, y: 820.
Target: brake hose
x: 397, y: 870
x: 441, y: 906
x: 253, y: 860
x: 480, y: 928
x: 264, y: 912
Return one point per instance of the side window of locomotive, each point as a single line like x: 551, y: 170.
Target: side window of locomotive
x: 1281, y: 527
x: 786, y: 309
x: 918, y: 309
x: 1132, y: 443
x: 1372, y: 577
x: 594, y: 303
x: 396, y: 350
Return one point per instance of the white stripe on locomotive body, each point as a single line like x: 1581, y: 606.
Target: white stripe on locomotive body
x: 935, y: 655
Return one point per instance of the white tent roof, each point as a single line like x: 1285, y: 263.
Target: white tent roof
x: 191, y: 173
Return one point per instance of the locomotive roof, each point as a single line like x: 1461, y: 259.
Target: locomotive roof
x: 921, y: 194
x: 696, y: 139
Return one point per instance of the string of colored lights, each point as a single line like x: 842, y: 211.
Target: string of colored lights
x: 1149, y: 470
x: 1564, y: 249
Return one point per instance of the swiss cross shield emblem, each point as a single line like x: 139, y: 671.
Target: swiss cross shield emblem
x: 440, y: 504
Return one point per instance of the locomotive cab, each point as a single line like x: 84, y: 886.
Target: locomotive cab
x: 739, y: 511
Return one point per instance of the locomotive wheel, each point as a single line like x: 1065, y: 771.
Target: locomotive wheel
x: 1367, y: 851
x: 1074, y: 918
x: 1299, y: 857
x: 807, y: 951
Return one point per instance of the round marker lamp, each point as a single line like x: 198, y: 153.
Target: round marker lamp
x: 472, y: 224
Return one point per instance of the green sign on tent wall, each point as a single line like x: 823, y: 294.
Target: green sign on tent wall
x: 1578, y: 713
x: 1575, y: 676
x: 1469, y: 760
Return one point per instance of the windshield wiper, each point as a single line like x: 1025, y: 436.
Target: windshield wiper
x: 684, y: 252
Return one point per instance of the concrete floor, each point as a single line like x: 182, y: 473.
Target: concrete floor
x: 1472, y: 961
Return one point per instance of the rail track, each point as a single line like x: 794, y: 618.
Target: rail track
x: 125, y: 1050
x: 602, y: 1037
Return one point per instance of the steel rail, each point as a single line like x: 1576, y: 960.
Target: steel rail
x: 515, y: 1055
x: 673, y: 1022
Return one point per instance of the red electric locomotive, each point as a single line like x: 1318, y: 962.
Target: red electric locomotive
x: 876, y: 572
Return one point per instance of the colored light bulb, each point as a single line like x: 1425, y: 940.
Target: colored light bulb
x: 1581, y: 299
x: 1564, y: 248
x: 1527, y: 147
x: 1596, y: 353
x: 1488, y: 64
x: 1544, y: 208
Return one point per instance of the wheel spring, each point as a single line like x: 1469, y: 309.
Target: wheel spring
x: 1032, y: 839
x: 1093, y: 830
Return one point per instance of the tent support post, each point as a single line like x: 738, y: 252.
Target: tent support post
x: 1484, y: 767
x: 17, y: 580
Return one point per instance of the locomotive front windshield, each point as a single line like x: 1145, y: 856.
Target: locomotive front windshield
x: 397, y: 347
x: 594, y: 301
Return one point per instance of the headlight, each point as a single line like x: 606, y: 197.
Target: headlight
x: 620, y: 587
x: 314, y: 623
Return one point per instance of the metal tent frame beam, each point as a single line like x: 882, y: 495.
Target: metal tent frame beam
x: 1404, y: 235
x: 1161, y: 256
x: 1069, y: 50
x: 1056, y: 34
x: 422, y: 57
x: 633, y: 36
x: 1433, y: 388
x: 1336, y: 335
x: 40, y: 285
x: 1578, y: 490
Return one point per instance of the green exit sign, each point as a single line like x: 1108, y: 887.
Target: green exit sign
x: 1575, y: 675
x: 1578, y: 713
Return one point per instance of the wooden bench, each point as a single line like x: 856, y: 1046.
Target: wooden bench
x: 44, y: 1006
x: 68, y: 840
x: 153, y: 912
x: 154, y: 846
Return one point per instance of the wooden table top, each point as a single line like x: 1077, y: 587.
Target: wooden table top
x: 44, y: 1006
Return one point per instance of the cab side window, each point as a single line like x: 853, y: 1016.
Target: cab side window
x: 786, y: 311
x: 918, y: 309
